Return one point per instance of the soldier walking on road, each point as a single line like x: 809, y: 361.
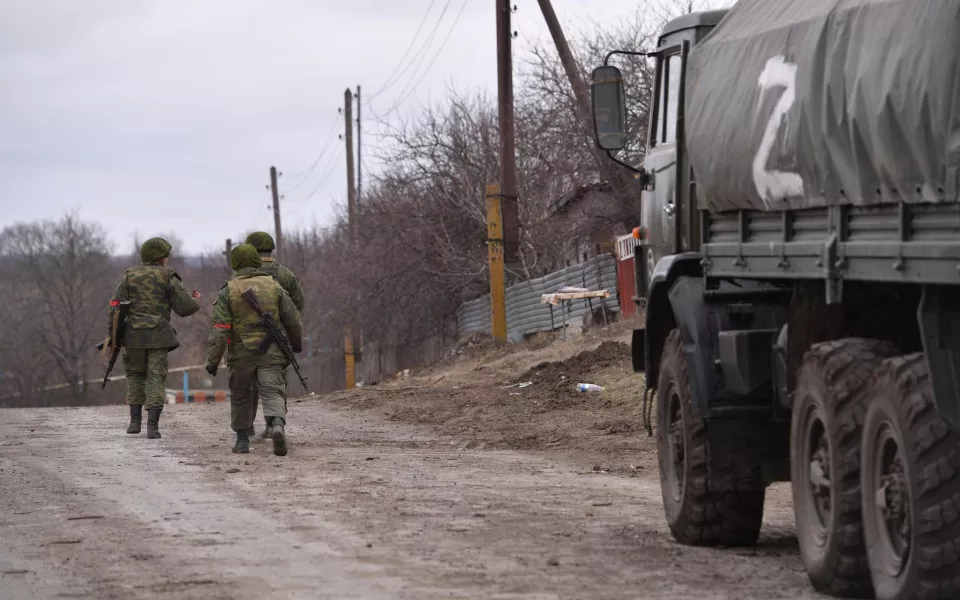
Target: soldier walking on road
x: 153, y: 290
x: 238, y: 327
x: 265, y: 245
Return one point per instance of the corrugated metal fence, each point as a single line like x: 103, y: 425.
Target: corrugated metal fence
x: 526, y: 314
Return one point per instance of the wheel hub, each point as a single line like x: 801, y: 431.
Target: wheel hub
x: 817, y: 451
x: 892, y: 502
x: 820, y: 479
x: 676, y: 446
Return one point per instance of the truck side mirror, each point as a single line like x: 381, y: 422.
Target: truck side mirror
x: 609, y: 108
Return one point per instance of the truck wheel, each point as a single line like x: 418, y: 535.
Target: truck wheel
x: 910, y: 467
x: 696, y: 515
x: 825, y: 430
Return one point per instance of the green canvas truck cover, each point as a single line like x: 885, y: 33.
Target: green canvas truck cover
x: 807, y: 103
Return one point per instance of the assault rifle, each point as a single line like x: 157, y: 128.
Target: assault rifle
x: 115, y: 342
x: 274, y: 334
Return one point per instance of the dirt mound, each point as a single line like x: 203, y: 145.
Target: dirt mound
x: 564, y: 374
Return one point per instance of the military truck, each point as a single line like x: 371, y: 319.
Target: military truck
x: 799, y: 258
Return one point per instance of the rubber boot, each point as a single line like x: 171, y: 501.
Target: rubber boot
x: 279, y: 437
x: 243, y: 443
x: 153, y: 423
x: 136, y: 418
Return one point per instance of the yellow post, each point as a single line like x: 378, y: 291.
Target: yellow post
x: 351, y: 375
x: 498, y: 298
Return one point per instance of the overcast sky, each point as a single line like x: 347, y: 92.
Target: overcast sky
x: 166, y: 115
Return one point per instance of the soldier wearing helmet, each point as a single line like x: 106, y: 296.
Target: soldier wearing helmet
x: 238, y: 330
x: 154, y: 291
x: 265, y: 245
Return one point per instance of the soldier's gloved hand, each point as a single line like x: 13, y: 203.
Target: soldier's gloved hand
x: 212, y: 369
x: 297, y: 349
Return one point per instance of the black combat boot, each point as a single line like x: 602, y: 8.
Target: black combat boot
x: 279, y: 438
x: 153, y: 423
x: 251, y: 431
x: 243, y: 443
x: 136, y: 418
x: 266, y: 430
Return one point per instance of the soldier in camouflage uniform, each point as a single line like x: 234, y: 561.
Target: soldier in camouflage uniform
x: 235, y: 327
x: 153, y: 291
x: 264, y: 244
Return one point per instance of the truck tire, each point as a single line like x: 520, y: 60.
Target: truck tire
x: 828, y: 409
x: 696, y: 515
x: 910, y: 467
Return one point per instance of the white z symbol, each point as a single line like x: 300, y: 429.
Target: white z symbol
x: 774, y: 185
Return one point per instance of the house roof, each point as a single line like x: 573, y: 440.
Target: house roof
x: 566, y: 201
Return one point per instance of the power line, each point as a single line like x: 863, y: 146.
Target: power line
x: 422, y: 50
x: 390, y: 80
x: 263, y: 205
x: 396, y: 104
x: 439, y: 50
x: 328, y: 171
x: 427, y: 44
x: 309, y: 170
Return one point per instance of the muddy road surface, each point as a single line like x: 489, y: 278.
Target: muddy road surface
x: 362, y: 507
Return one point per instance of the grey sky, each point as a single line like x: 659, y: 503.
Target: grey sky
x: 166, y: 115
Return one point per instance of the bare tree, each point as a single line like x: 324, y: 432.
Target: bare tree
x: 59, y: 271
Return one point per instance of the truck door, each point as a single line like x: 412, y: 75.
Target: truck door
x: 660, y: 213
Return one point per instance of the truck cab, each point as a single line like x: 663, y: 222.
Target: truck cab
x: 669, y: 223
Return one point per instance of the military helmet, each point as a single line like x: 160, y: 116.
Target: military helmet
x: 244, y: 256
x: 154, y: 249
x: 262, y: 241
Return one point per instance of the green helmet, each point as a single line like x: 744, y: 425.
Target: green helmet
x: 262, y: 241
x: 244, y: 256
x: 154, y: 249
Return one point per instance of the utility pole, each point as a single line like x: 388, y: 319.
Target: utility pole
x: 508, y: 165
x: 498, y: 299
x: 277, y: 233
x: 349, y: 347
x: 608, y: 169
x: 359, y: 155
x: 351, y: 186
x: 227, y: 253
x: 567, y: 60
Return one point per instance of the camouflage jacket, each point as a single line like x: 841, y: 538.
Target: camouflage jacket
x: 285, y: 277
x: 153, y: 292
x: 234, y: 321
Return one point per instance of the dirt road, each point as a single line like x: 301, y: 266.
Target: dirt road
x: 363, y: 507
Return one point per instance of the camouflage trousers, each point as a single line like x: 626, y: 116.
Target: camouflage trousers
x: 247, y: 382
x: 146, y: 375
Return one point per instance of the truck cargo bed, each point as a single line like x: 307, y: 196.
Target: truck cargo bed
x: 905, y: 243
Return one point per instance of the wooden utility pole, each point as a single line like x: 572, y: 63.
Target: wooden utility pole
x: 498, y: 299
x: 349, y: 346
x: 227, y: 253
x: 359, y: 155
x: 351, y: 182
x: 508, y: 166
x: 608, y: 169
x: 566, y: 59
x: 277, y: 231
